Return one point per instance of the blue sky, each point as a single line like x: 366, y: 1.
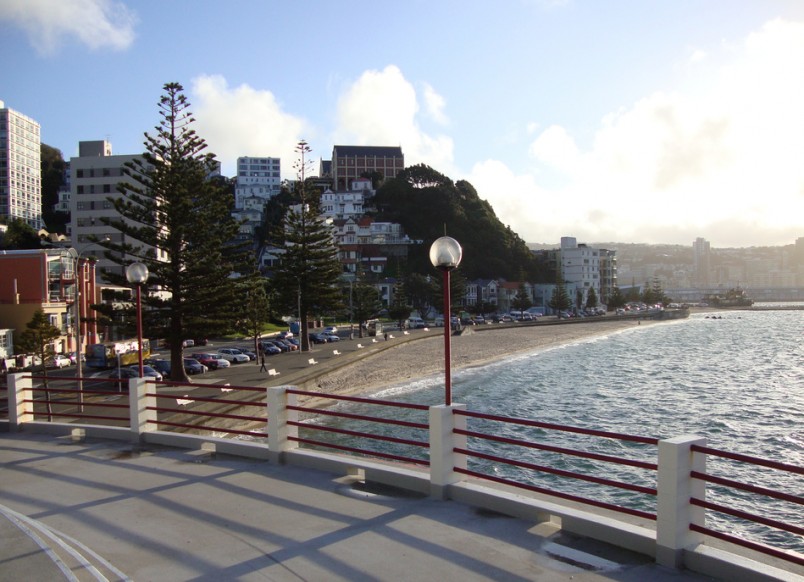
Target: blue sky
x: 620, y: 121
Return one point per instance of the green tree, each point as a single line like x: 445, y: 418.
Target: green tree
x: 591, y: 298
x: 256, y: 310
x: 307, y: 278
x: 420, y: 291
x: 400, y: 308
x: 521, y: 300
x: 616, y: 300
x: 37, y: 338
x: 20, y: 235
x: 457, y: 286
x: 52, y: 165
x: 179, y: 223
x: 559, y: 300
x: 365, y: 302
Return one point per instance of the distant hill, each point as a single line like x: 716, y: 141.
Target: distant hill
x: 428, y: 204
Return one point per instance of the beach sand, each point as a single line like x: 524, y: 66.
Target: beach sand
x: 421, y: 358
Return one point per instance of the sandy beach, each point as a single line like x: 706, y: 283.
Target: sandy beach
x: 424, y: 357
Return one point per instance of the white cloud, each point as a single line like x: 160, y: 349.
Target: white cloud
x: 435, y: 104
x: 243, y: 121
x: 382, y: 108
x: 725, y: 163
x: 95, y: 23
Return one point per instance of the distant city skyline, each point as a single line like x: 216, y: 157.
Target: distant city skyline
x: 645, y: 122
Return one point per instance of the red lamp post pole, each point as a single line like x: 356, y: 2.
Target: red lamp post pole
x: 447, y: 341
x: 139, y: 329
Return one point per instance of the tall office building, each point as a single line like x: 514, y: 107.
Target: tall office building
x: 94, y: 176
x: 701, y: 255
x: 256, y: 177
x: 20, y: 168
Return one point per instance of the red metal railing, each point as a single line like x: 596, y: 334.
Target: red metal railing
x: 89, y: 404
x: 507, y: 441
x: 756, y: 490
x: 358, y: 434
x: 181, y: 417
x: 527, y: 483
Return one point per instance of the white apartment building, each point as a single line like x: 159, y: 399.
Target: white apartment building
x: 258, y: 177
x: 580, y: 264
x: 94, y: 176
x: 20, y: 168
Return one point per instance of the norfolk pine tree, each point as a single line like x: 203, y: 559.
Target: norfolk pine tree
x: 179, y: 223
x: 307, y: 278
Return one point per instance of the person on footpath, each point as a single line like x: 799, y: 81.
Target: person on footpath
x: 262, y: 363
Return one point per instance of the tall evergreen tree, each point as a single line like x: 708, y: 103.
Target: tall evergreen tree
x: 365, y: 302
x: 559, y: 301
x: 521, y: 300
x: 307, y: 278
x: 179, y: 223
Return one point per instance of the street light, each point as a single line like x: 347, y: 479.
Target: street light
x: 445, y: 254
x: 137, y: 274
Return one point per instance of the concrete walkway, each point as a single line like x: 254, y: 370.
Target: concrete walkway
x: 103, y: 510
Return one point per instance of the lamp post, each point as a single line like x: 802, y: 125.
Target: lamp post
x: 137, y: 274
x: 445, y: 254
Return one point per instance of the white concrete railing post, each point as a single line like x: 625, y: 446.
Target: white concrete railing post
x: 443, y: 460
x: 675, y: 487
x: 18, y: 385
x: 279, y: 431
x: 138, y: 403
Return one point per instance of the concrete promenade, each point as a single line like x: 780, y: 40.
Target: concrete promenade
x: 107, y: 510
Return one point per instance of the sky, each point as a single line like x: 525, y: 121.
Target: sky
x: 633, y: 121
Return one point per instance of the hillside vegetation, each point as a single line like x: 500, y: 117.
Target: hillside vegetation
x: 427, y: 203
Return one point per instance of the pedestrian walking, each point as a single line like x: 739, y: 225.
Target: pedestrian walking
x: 262, y: 364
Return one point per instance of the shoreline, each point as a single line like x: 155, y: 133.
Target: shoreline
x: 422, y: 358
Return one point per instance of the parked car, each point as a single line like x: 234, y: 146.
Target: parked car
x: 211, y: 361
x: 193, y: 366
x: 134, y: 372
x: 291, y: 346
x: 270, y: 349
x: 317, y: 338
x: 58, y: 361
x: 284, y: 334
x: 248, y: 352
x: 188, y: 343
x: 331, y: 337
x: 330, y: 329
x: 276, y: 344
x: 233, y: 355
x: 161, y: 366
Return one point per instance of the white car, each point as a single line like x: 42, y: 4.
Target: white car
x: 233, y: 355
x: 58, y: 361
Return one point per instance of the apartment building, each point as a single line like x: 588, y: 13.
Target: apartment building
x: 50, y: 280
x: 257, y: 177
x: 351, y: 162
x: 20, y: 168
x: 94, y: 176
x: 580, y: 264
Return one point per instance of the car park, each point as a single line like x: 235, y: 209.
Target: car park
x: 211, y: 361
x: 193, y: 366
x: 58, y: 361
x: 134, y: 372
x: 269, y: 349
x: 278, y: 344
x: 248, y: 352
x: 161, y: 366
x: 233, y: 355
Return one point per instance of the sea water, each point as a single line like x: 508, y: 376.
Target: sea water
x: 733, y: 377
